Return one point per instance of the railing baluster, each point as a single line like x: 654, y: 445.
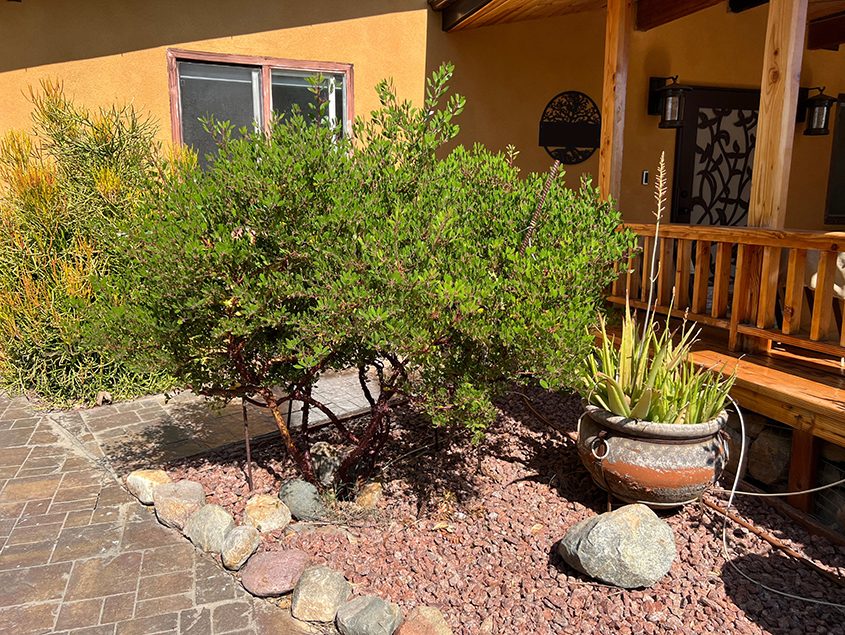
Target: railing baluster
x: 793, y: 305
x: 648, y: 245
x: 632, y: 283
x: 768, y: 287
x: 682, y: 273
x: 701, y: 277
x: 721, y: 281
x: 823, y: 296
x: 666, y: 271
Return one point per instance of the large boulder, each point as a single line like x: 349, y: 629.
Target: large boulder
x: 319, y: 594
x: 176, y: 502
x: 266, y: 513
x: 208, y: 526
x: 303, y: 500
x: 368, y: 615
x: 273, y: 573
x: 142, y: 483
x: 629, y: 547
x: 239, y: 545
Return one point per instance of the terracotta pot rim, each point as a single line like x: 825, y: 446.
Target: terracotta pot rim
x: 649, y: 429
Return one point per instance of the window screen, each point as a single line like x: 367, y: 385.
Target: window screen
x: 228, y: 93
x: 292, y: 87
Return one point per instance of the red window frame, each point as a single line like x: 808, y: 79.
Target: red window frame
x: 265, y: 64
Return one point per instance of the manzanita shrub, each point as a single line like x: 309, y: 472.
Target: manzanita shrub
x: 302, y: 252
x: 66, y: 187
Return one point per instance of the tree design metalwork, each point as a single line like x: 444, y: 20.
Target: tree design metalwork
x: 724, y: 156
x: 570, y: 127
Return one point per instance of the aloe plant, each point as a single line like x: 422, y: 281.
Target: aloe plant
x: 647, y: 375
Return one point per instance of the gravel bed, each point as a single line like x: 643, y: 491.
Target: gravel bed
x: 472, y: 530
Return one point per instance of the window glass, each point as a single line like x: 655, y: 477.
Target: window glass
x: 836, y: 180
x: 292, y: 87
x: 228, y: 93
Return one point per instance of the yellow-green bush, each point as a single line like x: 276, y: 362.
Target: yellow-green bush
x: 64, y: 188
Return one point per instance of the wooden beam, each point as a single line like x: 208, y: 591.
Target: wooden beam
x: 802, y: 468
x: 782, y: 55
x: 826, y: 33
x: 616, y: 43
x: 457, y: 11
x: 652, y: 13
x: 737, y: 6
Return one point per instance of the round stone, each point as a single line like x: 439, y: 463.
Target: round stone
x: 319, y: 594
x: 208, y: 526
x: 273, y: 573
x: 266, y: 513
x: 176, y: 502
x: 239, y: 545
x: 142, y: 483
x: 303, y: 500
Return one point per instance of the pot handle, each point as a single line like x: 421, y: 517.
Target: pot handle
x: 600, y: 440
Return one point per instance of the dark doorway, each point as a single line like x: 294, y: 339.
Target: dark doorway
x: 714, y: 153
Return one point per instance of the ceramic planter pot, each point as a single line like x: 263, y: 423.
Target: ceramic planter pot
x: 661, y: 464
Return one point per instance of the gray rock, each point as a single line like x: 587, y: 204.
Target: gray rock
x: 768, y: 458
x: 629, y: 547
x: 326, y: 459
x: 266, y: 513
x: 141, y: 483
x: 208, y: 526
x: 273, y: 573
x: 754, y: 423
x: 319, y: 594
x: 238, y: 545
x: 368, y: 615
x: 303, y: 500
x: 176, y: 502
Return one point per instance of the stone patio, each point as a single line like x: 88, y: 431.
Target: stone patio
x: 80, y: 555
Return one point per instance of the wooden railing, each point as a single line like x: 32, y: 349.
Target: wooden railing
x: 754, y: 283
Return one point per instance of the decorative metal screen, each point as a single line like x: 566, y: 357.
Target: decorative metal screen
x: 724, y: 155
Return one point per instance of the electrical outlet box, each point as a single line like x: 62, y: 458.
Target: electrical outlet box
x: 644, y: 180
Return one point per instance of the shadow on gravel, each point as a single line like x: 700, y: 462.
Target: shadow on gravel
x: 778, y: 614
x: 546, y: 450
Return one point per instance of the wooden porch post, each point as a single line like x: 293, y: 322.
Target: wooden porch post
x: 616, y: 41
x: 785, y: 30
x: 784, y: 48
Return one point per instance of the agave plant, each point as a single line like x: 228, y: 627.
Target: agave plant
x: 647, y: 375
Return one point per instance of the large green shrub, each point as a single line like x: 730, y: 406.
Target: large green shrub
x: 302, y: 252
x: 64, y: 189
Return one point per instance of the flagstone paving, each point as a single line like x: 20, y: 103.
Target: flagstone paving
x: 78, y: 554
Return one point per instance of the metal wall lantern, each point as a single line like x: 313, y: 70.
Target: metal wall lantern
x: 666, y: 98
x: 817, y: 110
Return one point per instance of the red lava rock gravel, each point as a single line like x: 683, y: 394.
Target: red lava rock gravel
x: 472, y: 529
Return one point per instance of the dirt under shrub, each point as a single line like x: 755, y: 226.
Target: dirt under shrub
x: 472, y: 530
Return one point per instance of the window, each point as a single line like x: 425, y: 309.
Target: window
x: 835, y: 213
x: 246, y: 91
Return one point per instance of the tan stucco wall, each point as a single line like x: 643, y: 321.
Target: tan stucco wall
x: 108, y: 51
x: 510, y: 72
